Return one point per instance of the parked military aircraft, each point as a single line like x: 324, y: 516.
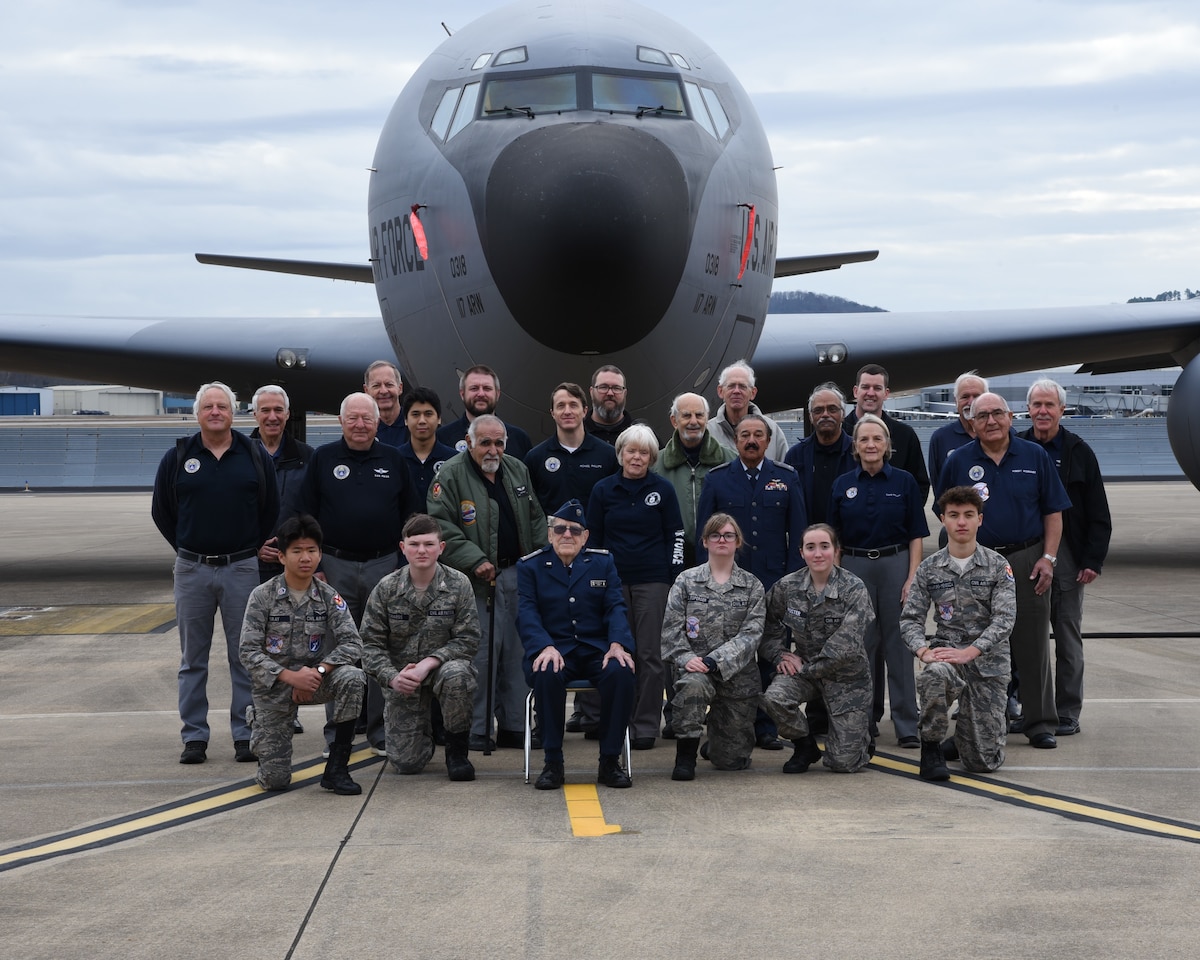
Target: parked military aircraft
x: 565, y: 184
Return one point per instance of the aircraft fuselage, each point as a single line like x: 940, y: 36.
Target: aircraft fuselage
x: 584, y: 176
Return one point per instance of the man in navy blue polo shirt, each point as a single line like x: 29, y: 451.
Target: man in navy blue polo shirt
x: 567, y: 465
x: 1023, y: 503
x: 360, y: 492
x: 423, y: 452
x: 215, y: 502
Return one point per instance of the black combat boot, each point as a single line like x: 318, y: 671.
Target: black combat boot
x: 933, y: 764
x: 949, y: 749
x: 610, y: 773
x: 337, y: 777
x: 457, y: 764
x: 685, y: 759
x: 805, y: 754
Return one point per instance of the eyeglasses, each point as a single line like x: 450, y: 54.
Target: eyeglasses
x: 608, y: 388
x: 986, y: 415
x: 728, y: 537
x: 562, y: 529
x: 832, y: 408
x: 354, y: 418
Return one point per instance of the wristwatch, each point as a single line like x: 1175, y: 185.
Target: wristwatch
x: 1053, y: 559
x: 321, y: 669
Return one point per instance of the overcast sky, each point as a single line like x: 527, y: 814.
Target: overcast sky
x: 999, y: 154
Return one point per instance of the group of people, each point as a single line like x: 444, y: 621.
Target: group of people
x: 419, y: 579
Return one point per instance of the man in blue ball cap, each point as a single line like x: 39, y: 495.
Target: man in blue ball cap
x: 571, y: 617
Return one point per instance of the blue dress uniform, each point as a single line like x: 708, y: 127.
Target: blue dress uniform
x: 580, y: 612
x: 770, y: 510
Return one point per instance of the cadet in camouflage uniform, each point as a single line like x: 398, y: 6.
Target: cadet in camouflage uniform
x: 420, y: 634
x: 828, y: 610
x: 710, y: 635
x: 299, y: 645
x: 974, y: 602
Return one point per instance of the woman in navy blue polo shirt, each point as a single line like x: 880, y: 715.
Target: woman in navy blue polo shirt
x: 634, y: 514
x: 879, y: 513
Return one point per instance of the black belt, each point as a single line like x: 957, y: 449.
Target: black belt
x: 891, y: 551
x: 1005, y: 549
x: 505, y: 564
x: 356, y: 557
x: 216, y: 560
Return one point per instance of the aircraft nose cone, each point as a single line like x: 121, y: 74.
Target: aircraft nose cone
x: 587, y: 230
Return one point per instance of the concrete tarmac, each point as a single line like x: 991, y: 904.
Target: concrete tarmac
x: 110, y: 848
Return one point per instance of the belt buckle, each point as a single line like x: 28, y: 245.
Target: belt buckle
x: 872, y: 554
x: 212, y: 560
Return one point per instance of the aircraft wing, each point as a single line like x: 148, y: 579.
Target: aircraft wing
x: 798, y: 351
x: 354, y: 272
x: 794, y: 266
x: 327, y: 356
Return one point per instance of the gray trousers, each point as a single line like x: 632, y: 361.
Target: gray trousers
x: 508, y: 674
x: 647, y: 604
x: 355, y: 581
x: 884, y: 579
x: 1066, y: 617
x: 201, y: 592
x: 1030, y: 646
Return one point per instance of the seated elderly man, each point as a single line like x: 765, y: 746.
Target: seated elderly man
x: 573, y: 626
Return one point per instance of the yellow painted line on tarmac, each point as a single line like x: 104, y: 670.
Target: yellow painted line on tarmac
x: 85, y: 619
x: 583, y: 807
x: 1069, y: 807
x: 160, y: 818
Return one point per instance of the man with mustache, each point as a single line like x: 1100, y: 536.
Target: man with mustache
x: 765, y: 499
x: 490, y: 518
x: 825, y: 454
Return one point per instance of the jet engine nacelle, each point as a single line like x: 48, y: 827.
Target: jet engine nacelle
x: 1183, y: 421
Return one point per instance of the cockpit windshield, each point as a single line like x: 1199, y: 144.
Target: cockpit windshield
x: 551, y: 93
x: 505, y: 95
x: 617, y: 93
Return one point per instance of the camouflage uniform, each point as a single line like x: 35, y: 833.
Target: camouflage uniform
x: 979, y: 607
x: 403, y: 625
x: 827, y: 628
x: 277, y: 634
x: 723, y: 621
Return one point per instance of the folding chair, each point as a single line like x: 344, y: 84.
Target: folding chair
x: 571, y: 685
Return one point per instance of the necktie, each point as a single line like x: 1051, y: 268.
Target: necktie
x: 752, y: 475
